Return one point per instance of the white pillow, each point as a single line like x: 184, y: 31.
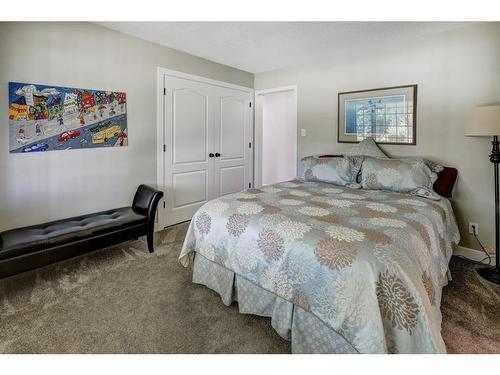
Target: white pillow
x: 366, y: 147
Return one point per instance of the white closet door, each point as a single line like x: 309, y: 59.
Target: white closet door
x: 233, y: 133
x: 189, y: 127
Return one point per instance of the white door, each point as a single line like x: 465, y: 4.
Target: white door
x: 207, y: 132
x: 233, y: 136
x: 189, y: 124
x: 276, y: 135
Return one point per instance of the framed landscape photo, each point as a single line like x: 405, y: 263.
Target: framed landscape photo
x: 388, y: 115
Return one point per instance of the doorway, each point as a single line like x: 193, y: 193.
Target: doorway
x: 275, y: 135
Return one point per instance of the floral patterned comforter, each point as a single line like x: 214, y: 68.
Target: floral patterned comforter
x: 370, y: 264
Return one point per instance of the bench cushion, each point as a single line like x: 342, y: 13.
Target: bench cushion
x: 26, y: 240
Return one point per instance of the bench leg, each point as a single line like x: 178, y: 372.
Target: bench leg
x: 151, y: 243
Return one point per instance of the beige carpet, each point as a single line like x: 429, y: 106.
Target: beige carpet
x: 125, y: 300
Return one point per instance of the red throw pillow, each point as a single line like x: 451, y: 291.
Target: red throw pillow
x: 445, y: 182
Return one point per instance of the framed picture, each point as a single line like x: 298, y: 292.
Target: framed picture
x: 51, y: 118
x: 388, y: 115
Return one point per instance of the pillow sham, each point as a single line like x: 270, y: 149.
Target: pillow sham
x: 399, y: 175
x: 367, y: 147
x: 434, y: 166
x: 334, y: 170
x: 446, y: 176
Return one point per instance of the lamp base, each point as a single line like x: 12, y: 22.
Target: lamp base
x: 490, y: 274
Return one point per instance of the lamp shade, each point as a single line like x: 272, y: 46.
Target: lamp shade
x: 484, y: 121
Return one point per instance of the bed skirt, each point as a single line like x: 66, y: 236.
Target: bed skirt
x: 307, y: 333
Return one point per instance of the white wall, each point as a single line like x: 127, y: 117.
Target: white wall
x: 39, y: 187
x: 279, y: 137
x: 454, y: 70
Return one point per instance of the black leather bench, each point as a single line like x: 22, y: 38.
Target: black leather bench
x: 30, y: 247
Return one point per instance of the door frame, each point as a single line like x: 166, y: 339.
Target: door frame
x: 160, y: 128
x: 259, y: 94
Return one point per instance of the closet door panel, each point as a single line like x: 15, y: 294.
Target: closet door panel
x: 233, y: 132
x: 189, y: 188
x: 189, y: 134
x: 232, y: 128
x: 190, y: 126
x: 231, y: 179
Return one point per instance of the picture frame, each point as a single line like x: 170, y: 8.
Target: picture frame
x: 387, y: 114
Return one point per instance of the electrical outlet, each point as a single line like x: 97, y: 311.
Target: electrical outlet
x: 474, y: 227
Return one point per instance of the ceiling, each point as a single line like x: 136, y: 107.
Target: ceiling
x: 263, y: 46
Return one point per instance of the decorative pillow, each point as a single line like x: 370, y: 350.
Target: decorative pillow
x: 399, y: 175
x: 434, y: 166
x: 367, y: 147
x: 445, y: 182
x: 334, y: 170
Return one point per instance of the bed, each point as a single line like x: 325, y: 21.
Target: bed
x: 338, y: 269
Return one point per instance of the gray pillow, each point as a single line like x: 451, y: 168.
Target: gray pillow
x: 335, y: 170
x: 399, y: 175
x: 367, y: 147
x: 434, y: 166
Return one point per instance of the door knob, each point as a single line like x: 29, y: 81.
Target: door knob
x: 211, y: 155
x: 217, y: 154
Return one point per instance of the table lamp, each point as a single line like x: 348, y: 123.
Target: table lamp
x: 485, y: 122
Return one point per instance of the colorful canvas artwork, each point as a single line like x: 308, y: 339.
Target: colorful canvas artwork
x: 47, y: 118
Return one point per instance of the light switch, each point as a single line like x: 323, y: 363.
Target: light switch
x: 302, y: 132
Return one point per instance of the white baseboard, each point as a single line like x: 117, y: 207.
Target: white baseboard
x: 472, y: 254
